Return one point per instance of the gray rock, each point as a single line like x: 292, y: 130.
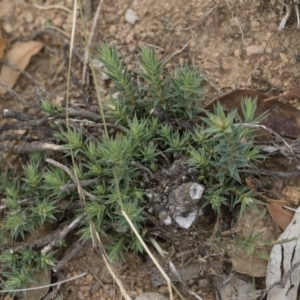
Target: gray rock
x: 131, y: 16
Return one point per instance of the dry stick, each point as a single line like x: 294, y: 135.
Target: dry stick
x: 115, y: 278
x: 82, y: 113
x: 83, y: 183
x: 12, y: 114
x: 73, y: 177
x: 38, y: 243
x: 94, y: 274
x: 270, y: 173
x: 26, y: 74
x: 150, y: 254
x: 17, y: 96
x: 92, y: 32
x: 78, y: 113
x: 143, y: 168
x: 22, y: 124
x: 250, y: 125
x: 45, y: 286
x: 53, y: 293
x: 102, y: 252
x: 21, y: 202
x: 13, y: 137
x: 173, y: 269
x: 62, y: 234
x: 26, y: 148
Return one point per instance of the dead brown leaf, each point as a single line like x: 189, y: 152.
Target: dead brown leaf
x: 42, y: 278
x: 255, y: 223
x: 19, y: 55
x: 294, y: 92
x: 252, y: 265
x: 282, y: 118
x: 280, y: 215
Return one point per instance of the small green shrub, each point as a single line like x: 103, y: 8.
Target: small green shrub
x: 214, y: 145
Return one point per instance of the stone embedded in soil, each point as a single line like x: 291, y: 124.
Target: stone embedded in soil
x: 254, y: 49
x: 255, y: 25
x: 89, y: 278
x: 131, y: 16
x: 186, y: 222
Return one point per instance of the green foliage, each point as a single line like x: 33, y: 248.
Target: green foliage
x: 178, y: 93
x: 118, y: 73
x: 218, y: 148
x: 49, y: 108
x: 20, y: 266
x: 248, y: 243
x: 226, y: 149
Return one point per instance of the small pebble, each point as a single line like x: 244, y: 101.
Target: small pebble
x: 131, y: 16
x: 80, y: 295
x: 89, y: 278
x: 254, y: 49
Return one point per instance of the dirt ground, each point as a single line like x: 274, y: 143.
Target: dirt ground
x: 235, y: 43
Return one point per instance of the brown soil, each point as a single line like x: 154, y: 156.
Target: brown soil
x: 236, y: 44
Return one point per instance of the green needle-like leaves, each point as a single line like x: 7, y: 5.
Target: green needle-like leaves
x: 109, y: 169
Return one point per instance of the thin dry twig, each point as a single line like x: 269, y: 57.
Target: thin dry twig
x: 45, y: 286
x: 28, y: 120
x: 179, y: 51
x: 83, y: 183
x: 73, y: 177
x: 17, y: 96
x: 62, y: 234
x: 143, y: 168
x: 174, y: 270
x: 163, y: 273
x: 26, y: 74
x: 251, y: 125
x: 26, y: 148
x: 12, y: 114
x: 38, y: 243
x: 271, y: 173
x: 63, y: 167
x: 92, y: 33
x: 102, y: 253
